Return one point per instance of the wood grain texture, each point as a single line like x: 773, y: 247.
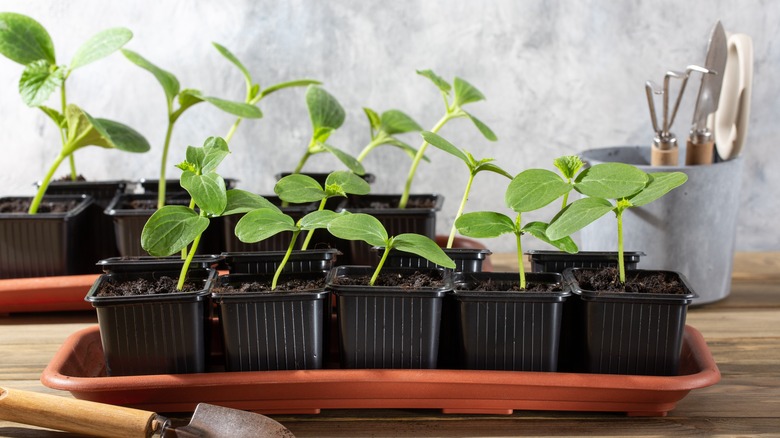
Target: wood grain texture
x: 742, y: 331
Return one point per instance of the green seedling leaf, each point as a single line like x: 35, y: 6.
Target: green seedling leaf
x: 373, y: 119
x: 660, y: 184
x: 39, y: 80
x: 167, y: 80
x: 359, y: 226
x: 84, y: 130
x: 396, y: 122
x: 423, y: 247
x: 207, y: 190
x: 324, y: 110
x: 484, y: 224
x: 483, y: 128
x: 24, y: 40
x: 569, y: 165
x: 409, y: 150
x: 465, y: 92
x: 576, y: 216
x: 443, y: 85
x: 241, y: 201
x: 317, y: 219
x: 170, y: 229
x: 55, y: 115
x: 343, y: 182
x: 611, y: 181
x: 258, y: 225
x: 539, y: 230
x: 532, y: 189
x: 490, y: 167
x: 121, y: 136
x: 195, y: 157
x: 232, y: 58
x: 288, y: 84
x: 351, y: 162
x: 240, y: 109
x: 216, y: 149
x: 299, y: 189
x: 439, y: 142
x: 101, y: 45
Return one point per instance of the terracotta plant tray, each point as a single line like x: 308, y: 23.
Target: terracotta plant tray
x: 45, y: 294
x: 78, y: 367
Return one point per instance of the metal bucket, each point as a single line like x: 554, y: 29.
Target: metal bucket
x: 691, y: 230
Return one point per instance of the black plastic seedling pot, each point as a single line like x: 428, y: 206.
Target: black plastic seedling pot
x: 267, y: 262
x: 277, y: 242
x: 272, y: 330
x: 385, y: 326
x: 466, y: 259
x: 45, y: 244
x: 154, y: 334
x: 633, y: 333
x: 509, y: 330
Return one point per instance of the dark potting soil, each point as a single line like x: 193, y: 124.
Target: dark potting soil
x: 490, y: 285
x: 23, y: 205
x: 66, y: 178
x: 414, y: 280
x: 142, y: 286
x: 293, y: 285
x: 607, y: 280
x: 150, y: 204
x: 379, y: 204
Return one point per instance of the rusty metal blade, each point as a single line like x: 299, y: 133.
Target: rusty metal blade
x: 709, y: 92
x: 217, y: 421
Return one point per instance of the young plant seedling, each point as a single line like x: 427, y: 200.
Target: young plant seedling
x: 569, y: 165
x: 474, y: 166
x: 627, y: 185
x: 530, y: 190
x: 384, y: 128
x: 463, y: 93
x: 254, y: 94
x: 185, y: 98
x: 326, y: 115
x: 173, y: 228
x: 266, y: 222
x: 364, y: 227
x: 25, y: 41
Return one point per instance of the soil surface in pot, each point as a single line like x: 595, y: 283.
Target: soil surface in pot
x: 374, y: 203
x: 23, y: 205
x: 414, y: 280
x: 142, y: 286
x: 293, y: 285
x: 606, y: 280
x: 490, y: 285
x: 66, y: 178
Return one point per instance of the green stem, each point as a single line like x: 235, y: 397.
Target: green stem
x: 184, y: 251
x: 460, y: 210
x: 310, y: 233
x: 64, y: 105
x: 417, y: 159
x: 36, y: 202
x: 565, y: 200
x: 369, y: 147
x: 520, y: 266
x: 379, y: 266
x: 187, y: 261
x: 73, y: 173
x: 305, y: 157
x: 232, y: 130
x: 621, y: 265
x: 163, y: 164
x: 284, y: 260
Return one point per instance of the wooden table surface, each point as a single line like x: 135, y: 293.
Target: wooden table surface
x: 742, y: 331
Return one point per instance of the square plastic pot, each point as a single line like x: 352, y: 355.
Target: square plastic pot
x: 45, y: 244
x: 633, y: 333
x: 384, y: 326
x: 265, y: 331
x: 510, y: 331
x: 129, y: 221
x: 266, y: 262
x: 154, y: 334
x: 418, y: 217
x: 103, y: 245
x: 173, y: 186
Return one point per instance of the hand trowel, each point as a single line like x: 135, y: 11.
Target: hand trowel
x: 97, y: 419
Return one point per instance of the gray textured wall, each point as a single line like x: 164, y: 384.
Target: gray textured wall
x: 559, y: 77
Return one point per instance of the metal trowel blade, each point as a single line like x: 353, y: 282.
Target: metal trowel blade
x: 218, y: 421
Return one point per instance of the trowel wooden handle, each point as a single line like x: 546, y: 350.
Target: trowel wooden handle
x: 699, y: 153
x: 664, y: 157
x: 71, y: 415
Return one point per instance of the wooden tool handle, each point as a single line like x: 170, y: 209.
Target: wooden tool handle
x: 699, y: 153
x: 71, y: 415
x: 664, y: 157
